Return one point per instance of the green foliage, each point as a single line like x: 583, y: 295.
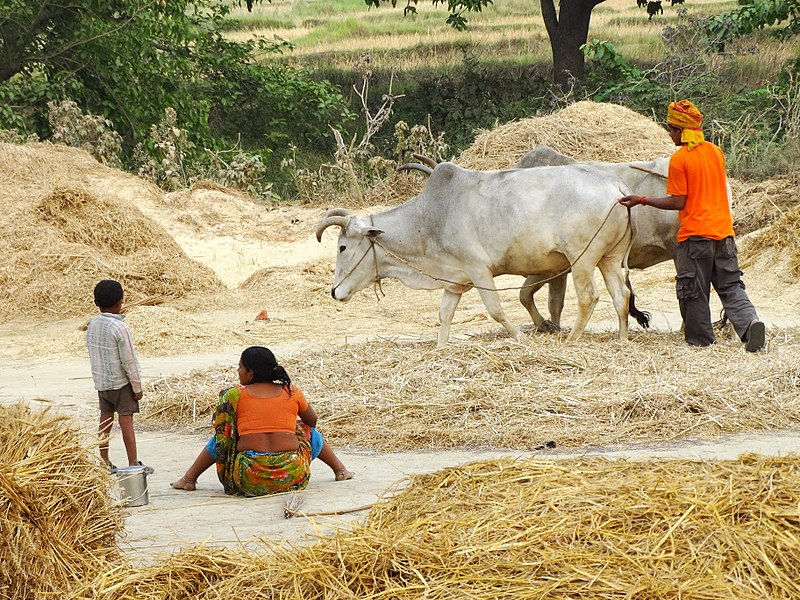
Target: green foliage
x: 163, y: 157
x: 754, y: 15
x: 474, y: 96
x: 611, y: 67
x: 130, y: 59
x: 267, y: 103
x: 759, y: 129
x: 418, y: 139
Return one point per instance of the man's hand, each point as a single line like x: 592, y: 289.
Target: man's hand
x: 631, y: 201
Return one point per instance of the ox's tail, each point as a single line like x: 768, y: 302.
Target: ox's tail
x: 642, y: 317
x: 632, y: 225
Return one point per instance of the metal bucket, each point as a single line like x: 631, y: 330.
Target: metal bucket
x: 133, y: 486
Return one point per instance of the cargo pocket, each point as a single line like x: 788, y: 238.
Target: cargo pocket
x: 686, y: 287
x: 728, y: 249
x: 700, y: 248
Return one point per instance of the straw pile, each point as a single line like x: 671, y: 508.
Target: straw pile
x: 493, y: 392
x: 759, y: 204
x: 211, y: 209
x: 530, y: 529
x: 58, y: 523
x: 62, y: 234
x: 782, y: 237
x: 184, y: 575
x: 303, y: 285
x: 585, y: 130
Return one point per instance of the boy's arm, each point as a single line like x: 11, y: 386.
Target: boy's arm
x: 130, y: 364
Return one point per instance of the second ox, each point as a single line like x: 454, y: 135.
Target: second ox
x: 656, y: 230
x: 467, y: 227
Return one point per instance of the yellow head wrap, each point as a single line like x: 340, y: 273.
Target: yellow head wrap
x: 685, y: 115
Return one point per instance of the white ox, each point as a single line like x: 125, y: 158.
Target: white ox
x: 466, y: 227
x: 656, y: 230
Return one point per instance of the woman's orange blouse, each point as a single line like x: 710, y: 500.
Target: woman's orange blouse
x: 268, y: 415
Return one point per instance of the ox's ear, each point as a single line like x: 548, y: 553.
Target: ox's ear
x: 372, y: 232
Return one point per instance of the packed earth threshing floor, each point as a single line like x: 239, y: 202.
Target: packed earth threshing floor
x: 199, y: 265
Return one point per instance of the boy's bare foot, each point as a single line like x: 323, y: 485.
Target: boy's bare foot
x: 344, y: 475
x: 184, y: 484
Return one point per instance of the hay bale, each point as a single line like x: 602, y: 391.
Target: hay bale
x: 584, y: 130
x: 100, y: 223
x: 510, y: 528
x: 58, y: 522
x: 494, y: 392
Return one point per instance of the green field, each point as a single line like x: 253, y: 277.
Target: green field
x: 336, y: 33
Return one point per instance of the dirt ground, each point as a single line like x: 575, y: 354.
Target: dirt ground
x: 42, y: 361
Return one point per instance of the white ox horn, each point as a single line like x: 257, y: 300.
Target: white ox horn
x: 425, y: 160
x: 415, y: 167
x: 335, y: 216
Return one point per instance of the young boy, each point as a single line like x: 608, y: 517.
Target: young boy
x: 115, y: 369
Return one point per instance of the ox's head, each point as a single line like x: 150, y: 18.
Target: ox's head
x: 356, y: 258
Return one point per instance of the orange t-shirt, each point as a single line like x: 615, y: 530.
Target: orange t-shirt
x: 267, y: 415
x: 700, y: 176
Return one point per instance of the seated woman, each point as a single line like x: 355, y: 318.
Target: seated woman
x: 259, y: 446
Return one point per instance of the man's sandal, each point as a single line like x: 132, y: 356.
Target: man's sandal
x: 184, y: 484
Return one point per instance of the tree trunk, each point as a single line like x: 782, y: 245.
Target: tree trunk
x: 568, y: 31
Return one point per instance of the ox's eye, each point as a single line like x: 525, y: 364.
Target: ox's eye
x: 341, y: 248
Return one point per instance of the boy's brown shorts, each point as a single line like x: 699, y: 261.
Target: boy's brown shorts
x: 120, y: 401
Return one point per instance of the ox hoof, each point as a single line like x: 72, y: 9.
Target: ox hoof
x: 548, y: 327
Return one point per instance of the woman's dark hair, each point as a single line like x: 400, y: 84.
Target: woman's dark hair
x: 107, y: 293
x: 265, y: 368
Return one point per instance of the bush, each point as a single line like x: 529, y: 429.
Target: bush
x: 95, y: 134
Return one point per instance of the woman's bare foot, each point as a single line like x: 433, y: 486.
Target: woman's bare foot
x: 185, y: 484
x: 344, y: 475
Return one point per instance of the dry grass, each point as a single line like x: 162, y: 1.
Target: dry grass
x: 761, y: 204
x: 509, y: 31
x: 58, y: 522
x: 782, y: 237
x: 584, y: 130
x: 61, y: 234
x: 493, y: 392
x: 528, y: 529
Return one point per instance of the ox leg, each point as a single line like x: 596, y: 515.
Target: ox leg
x: 614, y: 277
x: 491, y: 299
x: 447, y: 309
x: 583, y: 279
x: 529, y: 288
x: 556, y: 291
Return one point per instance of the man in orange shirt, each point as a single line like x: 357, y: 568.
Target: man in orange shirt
x: 706, y: 253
